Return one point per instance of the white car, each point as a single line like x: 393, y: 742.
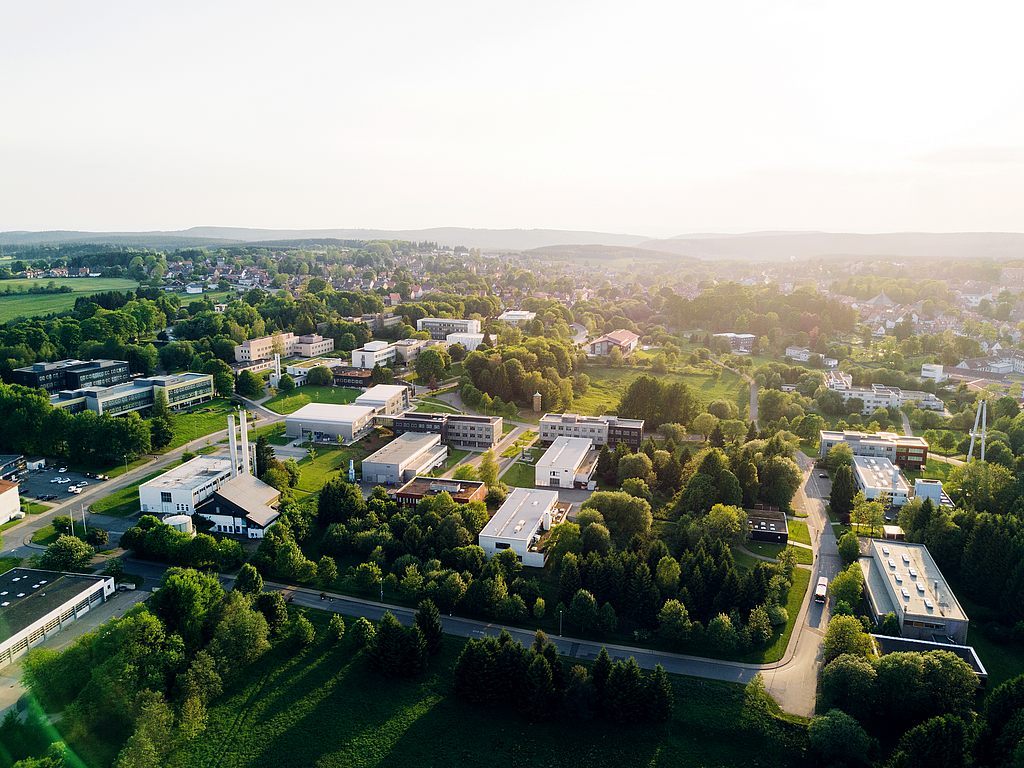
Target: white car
x: 74, y: 489
x: 55, y: 480
x: 63, y: 469
x: 64, y: 480
x: 82, y: 484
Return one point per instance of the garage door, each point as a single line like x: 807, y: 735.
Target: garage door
x: 554, y: 483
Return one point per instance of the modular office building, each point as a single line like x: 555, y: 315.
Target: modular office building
x: 519, y: 523
x: 326, y: 423
x: 403, y: 458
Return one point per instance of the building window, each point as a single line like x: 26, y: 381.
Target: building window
x: 165, y: 498
x: 501, y: 545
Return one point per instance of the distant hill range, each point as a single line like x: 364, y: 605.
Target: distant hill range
x: 570, y: 244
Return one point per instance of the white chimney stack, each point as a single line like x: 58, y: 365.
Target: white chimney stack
x: 246, y: 466
x: 232, y: 445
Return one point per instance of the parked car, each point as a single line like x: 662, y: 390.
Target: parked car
x: 823, y: 475
x: 63, y: 469
x: 82, y: 484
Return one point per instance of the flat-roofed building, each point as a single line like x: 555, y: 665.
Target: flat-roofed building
x: 300, y: 369
x: 10, y: 501
x: 740, y: 343
x: 372, y: 354
x: 72, y: 374
x: 183, y: 391
x: 37, y: 604
x: 329, y: 423
x: 837, y: 380
x: 902, y: 578
x: 925, y: 488
x: 407, y: 350
x: 878, y: 477
x: 459, y: 430
x: 403, y: 458
x: 354, y: 378
x: 313, y: 345
x: 624, y: 341
x: 468, y: 340
x: 265, y: 347
x: 602, y: 430
x: 933, y: 371
x: 516, y: 316
x: 520, y: 523
x: 180, y: 490
x: 386, y: 399
x: 768, y: 525
x: 568, y: 463
x: 419, y: 488
x: 907, y: 451
x: 440, y: 327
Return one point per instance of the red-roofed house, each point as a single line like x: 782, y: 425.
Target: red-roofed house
x: 623, y: 340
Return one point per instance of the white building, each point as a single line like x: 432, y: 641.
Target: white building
x: 799, y: 354
x: 879, y: 395
x: 407, y: 350
x: 933, y: 371
x: 908, y: 451
x: 372, y: 354
x: 440, y: 327
x: 516, y: 316
x: 469, y: 340
x: 932, y: 489
x: 518, y: 524
x: 35, y: 605
x: 405, y: 457
x: 386, y: 399
x: 180, y: 490
x: 327, y: 423
x: 299, y: 370
x: 313, y: 345
x: 243, y: 505
x: 569, y: 462
x: 10, y: 502
x: 878, y: 477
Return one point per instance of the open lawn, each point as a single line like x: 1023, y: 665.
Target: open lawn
x: 290, y: 402
x: 933, y: 470
x: 322, y: 706
x: 6, y: 563
x: 434, y: 405
x: 455, y: 455
x: 45, y: 536
x: 33, y: 305
x: 798, y: 531
x: 520, y: 475
x: 123, y: 502
x: 199, y: 421
x: 329, y: 461
x: 32, y: 507
x: 803, y: 556
x: 607, y: 385
x: 519, y: 443
x: 275, y: 434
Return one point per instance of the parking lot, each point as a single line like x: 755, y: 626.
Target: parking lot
x: 37, y: 483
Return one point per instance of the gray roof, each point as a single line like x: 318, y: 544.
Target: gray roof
x: 253, y: 495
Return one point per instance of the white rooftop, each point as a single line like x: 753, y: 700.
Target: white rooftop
x: 517, y: 314
x: 376, y: 346
x: 565, y: 453
x: 879, y: 473
x: 521, y: 514
x: 331, y: 412
x: 192, y: 474
x: 380, y: 393
x: 912, y: 579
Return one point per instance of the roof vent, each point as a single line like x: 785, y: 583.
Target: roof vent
x: 906, y: 595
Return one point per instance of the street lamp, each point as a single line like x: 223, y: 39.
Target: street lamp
x: 559, y: 622
x: 382, y: 588
x: 126, y: 463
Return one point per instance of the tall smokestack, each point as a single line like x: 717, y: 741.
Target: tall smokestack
x: 232, y: 445
x: 246, y: 466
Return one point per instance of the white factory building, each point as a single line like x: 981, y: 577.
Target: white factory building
x: 386, y: 399
x: 372, y: 354
x: 518, y: 524
x: 35, y: 605
x: 568, y: 463
x: 877, y: 476
x: 405, y: 457
x: 327, y: 423
x: 10, y: 501
x: 469, y: 340
x: 516, y: 316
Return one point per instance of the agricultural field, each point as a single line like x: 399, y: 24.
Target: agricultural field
x: 290, y: 402
x: 607, y: 385
x: 33, y: 305
x: 323, y: 706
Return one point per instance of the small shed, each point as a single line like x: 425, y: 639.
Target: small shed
x: 768, y: 525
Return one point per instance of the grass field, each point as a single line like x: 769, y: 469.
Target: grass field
x: 329, y: 461
x: 519, y: 443
x: 201, y: 420
x: 775, y: 651
x: 275, y: 434
x: 798, y: 531
x: 608, y: 384
x: 45, y: 536
x: 933, y: 470
x: 32, y: 305
x: 455, y: 455
x: 33, y: 508
x: 123, y: 502
x: 323, y: 707
x: 520, y: 475
x: 434, y: 405
x: 289, y: 402
x: 766, y: 549
x: 6, y: 563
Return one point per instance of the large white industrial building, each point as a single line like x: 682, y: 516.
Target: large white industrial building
x: 10, y: 501
x: 403, y: 458
x: 36, y: 604
x: 385, y: 399
x: 876, y: 477
x: 518, y: 524
x: 328, y: 423
x: 568, y: 463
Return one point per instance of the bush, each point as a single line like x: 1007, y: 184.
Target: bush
x: 336, y: 627
x: 302, y: 632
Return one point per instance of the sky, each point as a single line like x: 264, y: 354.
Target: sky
x: 654, y: 119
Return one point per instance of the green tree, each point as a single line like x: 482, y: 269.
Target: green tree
x: 286, y: 383
x: 848, y: 683
x: 868, y: 513
x: 941, y: 742
x: 249, y: 385
x: 248, y: 581
x: 848, y: 585
x: 843, y: 489
x: 674, y: 623
x: 428, y: 619
x: 637, y: 465
x: 704, y: 424
x: 336, y: 628
x: 302, y: 632
x: 241, y: 634
x: 320, y: 376
x: 67, y: 553
x: 432, y: 365
x: 845, y: 635
x: 326, y: 571
x: 849, y: 547
x: 839, y: 455
x: 487, y: 470
x: 836, y: 739
x: 625, y: 516
x: 583, y: 610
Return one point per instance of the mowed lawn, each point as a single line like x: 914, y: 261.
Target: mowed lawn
x: 323, y: 706
x: 520, y: 475
x: 123, y: 502
x: 202, y: 420
x: 290, y: 402
x: 607, y: 385
x: 32, y: 305
x: 330, y: 461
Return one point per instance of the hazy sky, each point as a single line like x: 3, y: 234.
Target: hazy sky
x: 657, y: 118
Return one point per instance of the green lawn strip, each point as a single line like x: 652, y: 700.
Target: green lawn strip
x: 434, y: 405
x: 767, y: 549
x: 520, y: 475
x: 798, y: 531
x: 6, y: 563
x: 123, y: 502
x: 119, y: 469
x: 289, y: 402
x: 795, y: 598
x: 45, y: 536
x: 32, y: 507
x: 455, y: 455
x: 274, y: 433
x: 323, y: 706
x: 933, y: 470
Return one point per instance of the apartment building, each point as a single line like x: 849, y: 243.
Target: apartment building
x: 183, y: 391
x: 601, y: 430
x: 907, y: 451
x: 440, y: 327
x: 266, y: 347
x: 459, y: 430
x: 72, y: 374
